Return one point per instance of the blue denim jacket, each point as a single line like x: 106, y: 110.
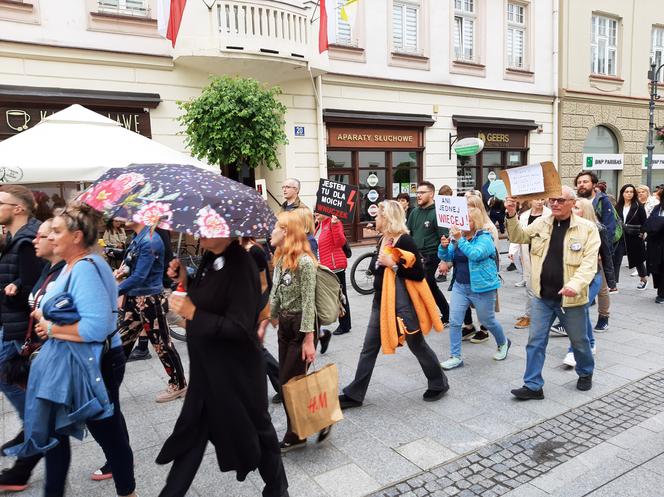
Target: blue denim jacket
x: 145, y: 260
x: 481, y: 253
x: 65, y: 389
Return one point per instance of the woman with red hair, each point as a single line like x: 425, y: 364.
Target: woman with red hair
x: 292, y: 307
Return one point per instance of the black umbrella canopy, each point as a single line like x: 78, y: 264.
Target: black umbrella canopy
x: 183, y: 198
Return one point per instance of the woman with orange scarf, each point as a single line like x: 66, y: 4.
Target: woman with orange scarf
x: 403, y: 309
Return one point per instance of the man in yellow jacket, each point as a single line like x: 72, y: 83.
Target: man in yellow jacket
x: 563, y: 257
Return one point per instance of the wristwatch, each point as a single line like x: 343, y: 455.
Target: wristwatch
x: 49, y: 330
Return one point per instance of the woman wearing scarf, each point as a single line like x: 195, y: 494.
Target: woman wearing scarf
x: 403, y: 309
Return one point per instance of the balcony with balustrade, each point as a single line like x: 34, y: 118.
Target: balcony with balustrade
x: 273, y: 41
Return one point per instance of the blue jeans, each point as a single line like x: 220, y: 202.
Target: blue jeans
x: 593, y: 290
x: 15, y: 394
x: 574, y: 319
x: 485, y: 305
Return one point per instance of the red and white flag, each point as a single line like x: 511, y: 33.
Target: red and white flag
x: 169, y: 17
x: 323, y: 41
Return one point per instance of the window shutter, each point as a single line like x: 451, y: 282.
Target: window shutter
x: 410, y: 31
x: 344, y: 35
x: 397, y: 26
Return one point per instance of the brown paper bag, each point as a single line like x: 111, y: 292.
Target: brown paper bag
x: 312, y: 401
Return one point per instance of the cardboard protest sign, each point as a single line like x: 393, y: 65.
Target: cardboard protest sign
x: 452, y: 211
x: 540, y: 180
x: 336, y: 199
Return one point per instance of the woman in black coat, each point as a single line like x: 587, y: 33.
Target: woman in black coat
x: 633, y: 216
x: 654, y: 228
x: 226, y: 403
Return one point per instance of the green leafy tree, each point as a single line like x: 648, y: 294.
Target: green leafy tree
x: 235, y: 121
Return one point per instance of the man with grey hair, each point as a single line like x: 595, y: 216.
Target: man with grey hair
x: 563, y: 257
x: 290, y: 189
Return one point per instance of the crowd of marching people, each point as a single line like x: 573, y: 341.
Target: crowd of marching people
x: 70, y: 318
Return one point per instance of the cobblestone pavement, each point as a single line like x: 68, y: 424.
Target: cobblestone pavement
x: 519, y: 459
x: 395, y: 436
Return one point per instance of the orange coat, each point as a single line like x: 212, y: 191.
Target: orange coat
x: 392, y: 328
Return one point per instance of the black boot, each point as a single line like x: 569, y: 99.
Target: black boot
x: 15, y: 479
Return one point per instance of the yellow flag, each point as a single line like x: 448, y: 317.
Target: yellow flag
x: 349, y: 11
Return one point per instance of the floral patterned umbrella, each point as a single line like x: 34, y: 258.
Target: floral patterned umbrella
x: 181, y: 198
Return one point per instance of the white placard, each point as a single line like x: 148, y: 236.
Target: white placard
x: 526, y: 179
x: 452, y: 211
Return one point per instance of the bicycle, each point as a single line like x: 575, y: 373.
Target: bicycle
x: 190, y: 258
x: 361, y: 274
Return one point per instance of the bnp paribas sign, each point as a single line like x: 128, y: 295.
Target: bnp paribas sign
x: 603, y: 162
x: 657, y: 161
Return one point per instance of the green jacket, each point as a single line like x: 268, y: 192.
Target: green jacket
x: 424, y: 229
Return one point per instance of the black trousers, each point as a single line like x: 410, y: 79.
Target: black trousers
x: 270, y: 467
x: 110, y: 433
x: 357, y: 389
x: 290, y: 340
x: 618, y: 254
x: 430, y: 266
x: 344, y: 322
x: 272, y: 369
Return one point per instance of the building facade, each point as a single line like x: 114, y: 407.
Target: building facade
x: 380, y: 109
x: 606, y: 47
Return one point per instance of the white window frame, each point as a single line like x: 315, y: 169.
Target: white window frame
x: 657, y: 49
x: 108, y: 6
x: 339, y: 25
x: 601, y: 46
x: 465, y: 11
x: 516, y: 25
x: 405, y: 47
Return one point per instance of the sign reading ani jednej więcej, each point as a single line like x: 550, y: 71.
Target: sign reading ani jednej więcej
x: 452, y: 211
x: 336, y: 199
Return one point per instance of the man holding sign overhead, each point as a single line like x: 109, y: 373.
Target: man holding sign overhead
x: 563, y: 257
x: 425, y: 230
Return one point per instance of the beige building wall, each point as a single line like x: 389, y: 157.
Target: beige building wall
x: 618, y: 102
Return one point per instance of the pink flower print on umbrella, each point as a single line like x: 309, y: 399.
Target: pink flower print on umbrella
x: 129, y: 180
x: 155, y: 214
x: 103, y: 195
x: 211, y: 224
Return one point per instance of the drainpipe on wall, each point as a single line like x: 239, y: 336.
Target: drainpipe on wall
x: 556, y: 82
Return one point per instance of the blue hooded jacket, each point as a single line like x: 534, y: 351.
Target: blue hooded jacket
x: 481, y: 253
x: 145, y: 260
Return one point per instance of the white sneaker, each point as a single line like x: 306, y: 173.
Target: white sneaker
x: 520, y: 284
x: 569, y: 360
x: 634, y: 273
x: 642, y: 285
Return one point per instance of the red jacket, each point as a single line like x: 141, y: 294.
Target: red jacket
x: 330, y: 241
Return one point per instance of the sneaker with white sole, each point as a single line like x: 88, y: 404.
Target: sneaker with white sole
x: 520, y: 284
x: 569, y: 360
x: 172, y: 392
x: 602, y: 324
x: 451, y: 363
x: 501, y: 355
x: 558, y: 330
x: 635, y: 273
x: 642, y: 285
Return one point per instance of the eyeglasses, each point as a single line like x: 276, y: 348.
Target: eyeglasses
x: 558, y: 200
x: 286, y: 187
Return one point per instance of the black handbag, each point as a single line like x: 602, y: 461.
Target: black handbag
x: 632, y: 229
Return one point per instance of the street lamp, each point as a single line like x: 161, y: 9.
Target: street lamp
x: 653, y: 75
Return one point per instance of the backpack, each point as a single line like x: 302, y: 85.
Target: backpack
x: 617, y: 235
x: 329, y: 297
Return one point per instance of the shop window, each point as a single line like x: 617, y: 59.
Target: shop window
x: 658, y: 153
x: 339, y: 159
x: 516, y: 35
x: 657, y: 50
x: 604, y: 46
x: 405, y: 174
x: 405, y: 27
x: 601, y: 140
x: 465, y: 23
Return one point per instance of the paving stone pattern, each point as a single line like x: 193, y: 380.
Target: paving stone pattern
x: 518, y: 459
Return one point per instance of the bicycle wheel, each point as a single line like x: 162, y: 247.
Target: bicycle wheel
x: 360, y: 275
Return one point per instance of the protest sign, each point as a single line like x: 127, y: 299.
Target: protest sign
x: 452, y: 211
x: 540, y: 180
x: 336, y: 199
